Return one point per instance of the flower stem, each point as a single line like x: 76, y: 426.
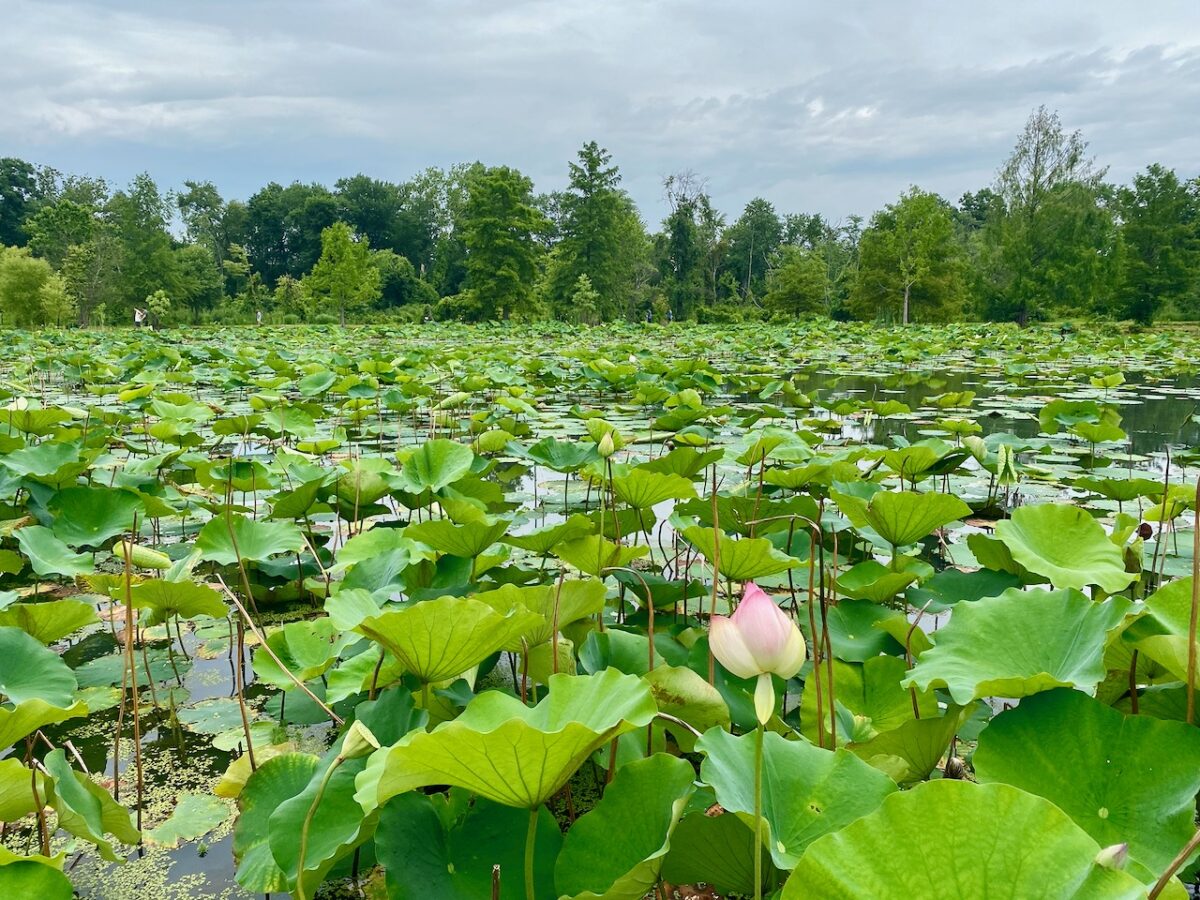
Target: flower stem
x: 300, y: 892
x: 758, y: 767
x: 530, y: 842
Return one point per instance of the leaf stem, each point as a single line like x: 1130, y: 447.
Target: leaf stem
x: 530, y: 843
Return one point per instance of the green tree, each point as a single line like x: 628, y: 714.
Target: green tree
x: 283, y: 226
x: 500, y: 233
x: 797, y: 284
x: 158, y: 305
x: 23, y: 188
x: 1159, y: 258
x: 686, y: 249
x: 595, y: 218
x: 92, y: 271
x: 58, y: 226
x: 343, y: 277
x: 26, y: 282
x: 1047, y: 249
x: 139, y: 216
x: 209, y: 220
x: 399, y: 284
x: 750, y: 243
x: 58, y: 307
x: 908, y: 254
x: 200, y: 285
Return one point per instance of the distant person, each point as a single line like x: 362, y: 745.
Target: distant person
x: 258, y: 317
x: 649, y: 317
x: 139, y: 317
x: 670, y: 315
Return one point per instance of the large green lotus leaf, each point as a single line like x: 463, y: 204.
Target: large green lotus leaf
x: 445, y: 846
x: 543, y: 540
x: 642, y: 489
x: 377, y: 542
x: 1065, y: 545
x: 40, y: 460
x: 715, y: 849
x: 338, y: 824
x: 194, y: 816
x: 28, y: 716
x: 30, y: 878
x: 947, y: 840
x: 294, y: 504
x: 185, y: 599
x: 508, y: 752
x: 84, y: 808
x: 307, y: 648
x: 16, y: 790
x: 594, y: 554
x: 741, y: 560
x: 467, y: 540
x: 435, y: 639
x: 30, y: 671
x: 909, y: 752
x: 89, y: 516
x: 1162, y: 633
x: 562, y: 456
x: 684, y: 694
x: 1123, y: 779
x: 870, y: 580
x: 436, y: 464
x: 255, y: 540
x: 1018, y: 644
x: 273, y: 782
x: 50, y: 556
x: 806, y: 791
x: 50, y: 621
x: 615, y: 851
x: 870, y: 692
x: 904, y: 517
x: 564, y: 603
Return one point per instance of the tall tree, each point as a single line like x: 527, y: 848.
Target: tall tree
x: 23, y: 187
x: 139, y: 215
x: 751, y: 242
x: 1159, y: 243
x: 1048, y: 247
x: 500, y: 232
x: 31, y: 294
x: 909, y: 251
x: 595, y: 213
x: 92, y: 271
x: 797, y: 284
x: 200, y: 284
x: 58, y: 226
x: 343, y: 277
x: 283, y: 226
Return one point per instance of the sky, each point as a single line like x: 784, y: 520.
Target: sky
x: 833, y: 108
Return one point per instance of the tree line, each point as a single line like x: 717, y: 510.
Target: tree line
x: 1050, y: 238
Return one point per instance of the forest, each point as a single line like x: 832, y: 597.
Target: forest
x: 1051, y: 238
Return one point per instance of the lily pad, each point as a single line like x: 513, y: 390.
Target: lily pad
x: 1065, y: 545
x: 505, y: 751
x: 1016, y: 845
x: 1018, y: 644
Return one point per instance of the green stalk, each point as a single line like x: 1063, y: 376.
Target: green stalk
x: 530, y: 842
x: 758, y: 767
x: 304, y: 829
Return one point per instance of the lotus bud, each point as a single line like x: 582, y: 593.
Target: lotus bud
x: 1114, y: 856
x: 607, y: 447
x: 143, y: 557
x: 359, y: 741
x: 758, y: 640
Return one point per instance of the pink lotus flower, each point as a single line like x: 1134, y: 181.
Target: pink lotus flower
x: 758, y: 640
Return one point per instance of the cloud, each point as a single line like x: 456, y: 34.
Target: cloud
x: 835, y: 110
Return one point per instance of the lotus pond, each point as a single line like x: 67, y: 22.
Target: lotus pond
x: 425, y: 612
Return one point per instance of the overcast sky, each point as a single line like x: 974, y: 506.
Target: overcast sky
x: 826, y: 107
